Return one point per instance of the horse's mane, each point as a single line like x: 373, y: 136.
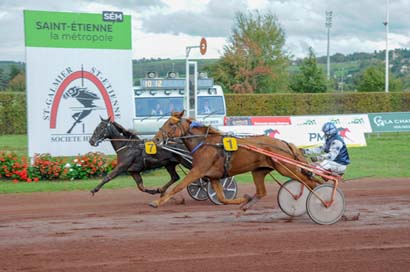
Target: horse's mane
x: 211, y: 130
x: 129, y: 133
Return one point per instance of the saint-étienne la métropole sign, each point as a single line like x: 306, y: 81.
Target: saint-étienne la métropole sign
x: 79, y: 67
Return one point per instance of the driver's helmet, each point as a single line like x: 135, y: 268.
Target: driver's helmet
x: 329, y: 129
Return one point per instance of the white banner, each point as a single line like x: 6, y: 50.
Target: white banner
x: 306, y: 131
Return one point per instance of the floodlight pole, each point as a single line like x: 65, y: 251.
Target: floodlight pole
x: 187, y: 51
x: 329, y: 15
x: 386, y: 24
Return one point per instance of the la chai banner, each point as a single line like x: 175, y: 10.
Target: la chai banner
x: 390, y: 121
x: 79, y: 68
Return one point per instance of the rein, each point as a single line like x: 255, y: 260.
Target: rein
x: 109, y: 130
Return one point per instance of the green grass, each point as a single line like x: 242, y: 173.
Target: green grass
x: 14, y: 143
x: 386, y: 155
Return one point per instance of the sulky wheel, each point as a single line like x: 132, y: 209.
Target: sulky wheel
x: 318, y: 212
x: 292, y: 197
x: 230, y: 190
x: 197, y: 189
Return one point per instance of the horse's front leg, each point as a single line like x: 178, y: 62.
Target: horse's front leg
x: 193, y: 175
x: 216, y: 185
x: 114, y: 173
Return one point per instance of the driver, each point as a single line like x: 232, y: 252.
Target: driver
x: 334, y: 155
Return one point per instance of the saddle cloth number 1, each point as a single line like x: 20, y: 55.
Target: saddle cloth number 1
x: 150, y: 148
x: 230, y: 144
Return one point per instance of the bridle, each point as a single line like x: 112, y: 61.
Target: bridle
x: 108, y: 130
x: 184, y: 134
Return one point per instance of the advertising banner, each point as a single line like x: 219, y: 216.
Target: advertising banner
x: 306, y: 130
x: 79, y: 68
x: 390, y: 122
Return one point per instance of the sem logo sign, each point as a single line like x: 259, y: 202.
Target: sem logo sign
x: 112, y: 16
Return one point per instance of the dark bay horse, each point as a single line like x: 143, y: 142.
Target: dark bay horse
x: 209, y: 159
x: 131, y: 156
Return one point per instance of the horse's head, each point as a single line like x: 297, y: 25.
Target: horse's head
x: 103, y: 131
x: 174, y: 127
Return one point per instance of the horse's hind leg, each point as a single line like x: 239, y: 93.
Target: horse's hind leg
x: 140, y: 184
x: 259, y: 181
x: 174, y: 177
x: 216, y: 185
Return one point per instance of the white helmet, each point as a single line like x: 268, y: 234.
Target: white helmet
x: 329, y: 129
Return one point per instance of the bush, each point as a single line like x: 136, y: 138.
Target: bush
x: 306, y: 104
x: 13, y: 105
x: 86, y: 166
x: 46, y: 167
x: 13, y: 113
x: 17, y: 169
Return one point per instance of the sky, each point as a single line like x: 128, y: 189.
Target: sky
x: 163, y: 28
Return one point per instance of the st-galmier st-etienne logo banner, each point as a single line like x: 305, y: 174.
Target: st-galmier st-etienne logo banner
x: 83, y: 92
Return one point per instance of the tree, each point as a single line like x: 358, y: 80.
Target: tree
x: 14, y: 71
x: 254, y: 60
x: 18, y: 83
x: 373, y: 78
x: 310, y: 78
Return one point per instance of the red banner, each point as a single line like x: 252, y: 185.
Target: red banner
x: 270, y: 120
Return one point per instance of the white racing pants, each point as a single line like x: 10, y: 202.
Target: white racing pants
x: 333, y: 167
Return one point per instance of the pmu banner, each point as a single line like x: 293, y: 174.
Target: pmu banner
x: 306, y: 130
x: 79, y: 67
x: 390, y: 122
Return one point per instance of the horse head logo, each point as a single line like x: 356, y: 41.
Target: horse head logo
x: 271, y: 132
x: 343, y: 133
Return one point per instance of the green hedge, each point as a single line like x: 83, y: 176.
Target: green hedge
x: 13, y: 105
x: 13, y: 117
x: 306, y: 104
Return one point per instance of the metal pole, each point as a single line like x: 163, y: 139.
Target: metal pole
x: 328, y: 26
x: 386, y: 24
x: 328, y: 56
x: 187, y: 50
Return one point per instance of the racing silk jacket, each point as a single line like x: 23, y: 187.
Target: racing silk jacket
x: 334, y: 149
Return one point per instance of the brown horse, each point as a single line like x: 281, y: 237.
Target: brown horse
x: 210, y: 160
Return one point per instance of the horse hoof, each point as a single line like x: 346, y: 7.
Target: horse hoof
x: 247, y: 197
x: 154, y: 204
x: 92, y: 193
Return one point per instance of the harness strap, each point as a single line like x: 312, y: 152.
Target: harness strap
x: 197, y: 147
x: 121, y: 148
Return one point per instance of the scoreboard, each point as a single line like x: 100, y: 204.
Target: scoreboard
x: 173, y: 83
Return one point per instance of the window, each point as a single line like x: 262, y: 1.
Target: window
x: 211, y: 105
x: 157, y: 106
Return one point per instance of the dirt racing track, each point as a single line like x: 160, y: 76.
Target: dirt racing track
x: 116, y: 230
